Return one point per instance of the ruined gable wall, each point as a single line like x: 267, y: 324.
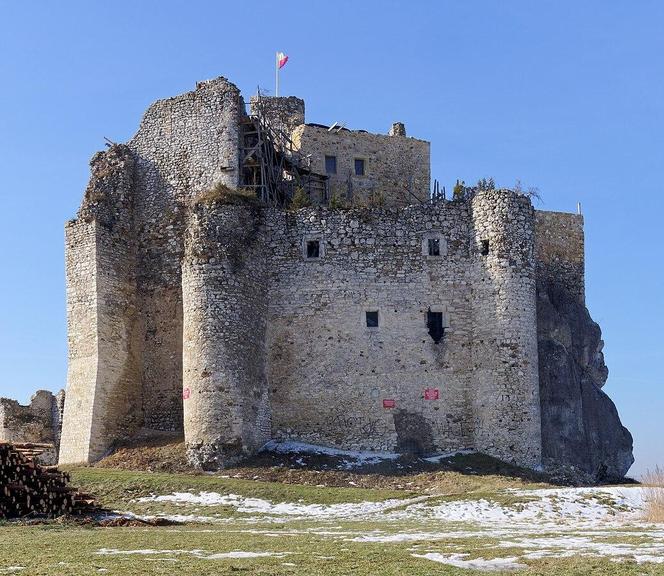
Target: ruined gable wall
x: 392, y: 163
x: 183, y: 147
x: 328, y: 372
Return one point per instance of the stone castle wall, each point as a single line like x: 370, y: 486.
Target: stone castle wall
x: 259, y: 312
x: 397, y: 168
x: 192, y: 315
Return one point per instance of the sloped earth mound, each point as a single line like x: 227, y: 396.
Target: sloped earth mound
x: 309, y: 465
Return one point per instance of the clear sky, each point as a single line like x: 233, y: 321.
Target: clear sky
x: 564, y: 95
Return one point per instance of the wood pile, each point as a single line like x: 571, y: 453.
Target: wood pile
x: 28, y: 489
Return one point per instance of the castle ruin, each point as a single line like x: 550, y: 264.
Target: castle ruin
x: 377, y: 318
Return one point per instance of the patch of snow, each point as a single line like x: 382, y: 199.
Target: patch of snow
x: 457, y: 560
x: 259, y: 506
x: 436, y: 458
x: 197, y: 553
x: 350, y: 458
x: 11, y: 569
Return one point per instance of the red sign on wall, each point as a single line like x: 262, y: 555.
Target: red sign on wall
x: 186, y: 393
x: 431, y: 394
x: 389, y: 403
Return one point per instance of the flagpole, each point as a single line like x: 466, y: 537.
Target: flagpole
x: 276, y: 67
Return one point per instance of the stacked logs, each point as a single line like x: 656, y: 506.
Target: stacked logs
x: 29, y: 489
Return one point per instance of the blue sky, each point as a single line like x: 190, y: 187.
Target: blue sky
x: 567, y: 96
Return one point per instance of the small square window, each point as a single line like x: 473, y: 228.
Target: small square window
x: 434, y: 246
x: 313, y: 248
x: 331, y: 164
x: 359, y: 166
x: 372, y: 318
x: 484, y: 248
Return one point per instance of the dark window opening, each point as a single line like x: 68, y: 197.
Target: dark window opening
x: 331, y: 164
x: 434, y: 247
x: 484, y: 248
x: 372, y: 318
x: 313, y: 248
x: 359, y: 167
x: 435, y: 325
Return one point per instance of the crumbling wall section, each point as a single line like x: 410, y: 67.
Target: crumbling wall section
x: 103, y: 402
x: 504, y: 337
x: 184, y: 146
x: 37, y: 422
x: 224, y: 285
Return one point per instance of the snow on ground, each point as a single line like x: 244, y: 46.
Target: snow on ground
x: 349, y: 458
x: 287, y: 509
x: 197, y: 553
x: 458, y: 561
x: 542, y: 523
x: 580, y: 506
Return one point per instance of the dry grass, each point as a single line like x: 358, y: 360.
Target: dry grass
x: 653, y: 480
x: 222, y: 194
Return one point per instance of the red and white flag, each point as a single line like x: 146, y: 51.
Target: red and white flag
x: 281, y: 60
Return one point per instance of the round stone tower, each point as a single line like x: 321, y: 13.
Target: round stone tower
x: 225, y: 393
x: 504, y: 383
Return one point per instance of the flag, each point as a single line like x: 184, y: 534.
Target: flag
x: 281, y: 60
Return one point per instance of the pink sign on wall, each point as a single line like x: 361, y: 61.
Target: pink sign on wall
x: 431, y: 394
x: 186, y: 393
x: 389, y: 403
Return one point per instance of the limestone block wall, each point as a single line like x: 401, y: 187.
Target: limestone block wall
x: 559, y: 250
x: 505, y: 395
x: 37, y: 422
x: 335, y: 381
x: 102, y: 380
x: 184, y: 146
x: 397, y: 168
x: 224, y: 280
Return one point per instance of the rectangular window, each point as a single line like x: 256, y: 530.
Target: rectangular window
x: 435, y: 325
x: 313, y: 248
x: 434, y: 246
x: 359, y: 166
x: 331, y: 164
x: 372, y: 318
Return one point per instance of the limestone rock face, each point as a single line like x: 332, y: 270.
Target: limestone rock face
x: 580, y: 424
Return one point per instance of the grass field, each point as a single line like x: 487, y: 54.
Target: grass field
x: 458, y: 525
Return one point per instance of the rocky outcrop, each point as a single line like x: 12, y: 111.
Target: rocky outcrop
x: 581, y: 430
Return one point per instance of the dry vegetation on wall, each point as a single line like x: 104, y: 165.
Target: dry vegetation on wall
x: 222, y: 194
x: 653, y: 480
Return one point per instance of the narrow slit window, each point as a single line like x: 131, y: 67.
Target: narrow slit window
x: 435, y: 325
x: 313, y: 248
x: 331, y: 164
x: 372, y: 318
x: 484, y: 248
x: 434, y: 246
x: 359, y: 166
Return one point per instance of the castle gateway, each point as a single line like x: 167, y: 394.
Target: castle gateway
x: 245, y: 276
